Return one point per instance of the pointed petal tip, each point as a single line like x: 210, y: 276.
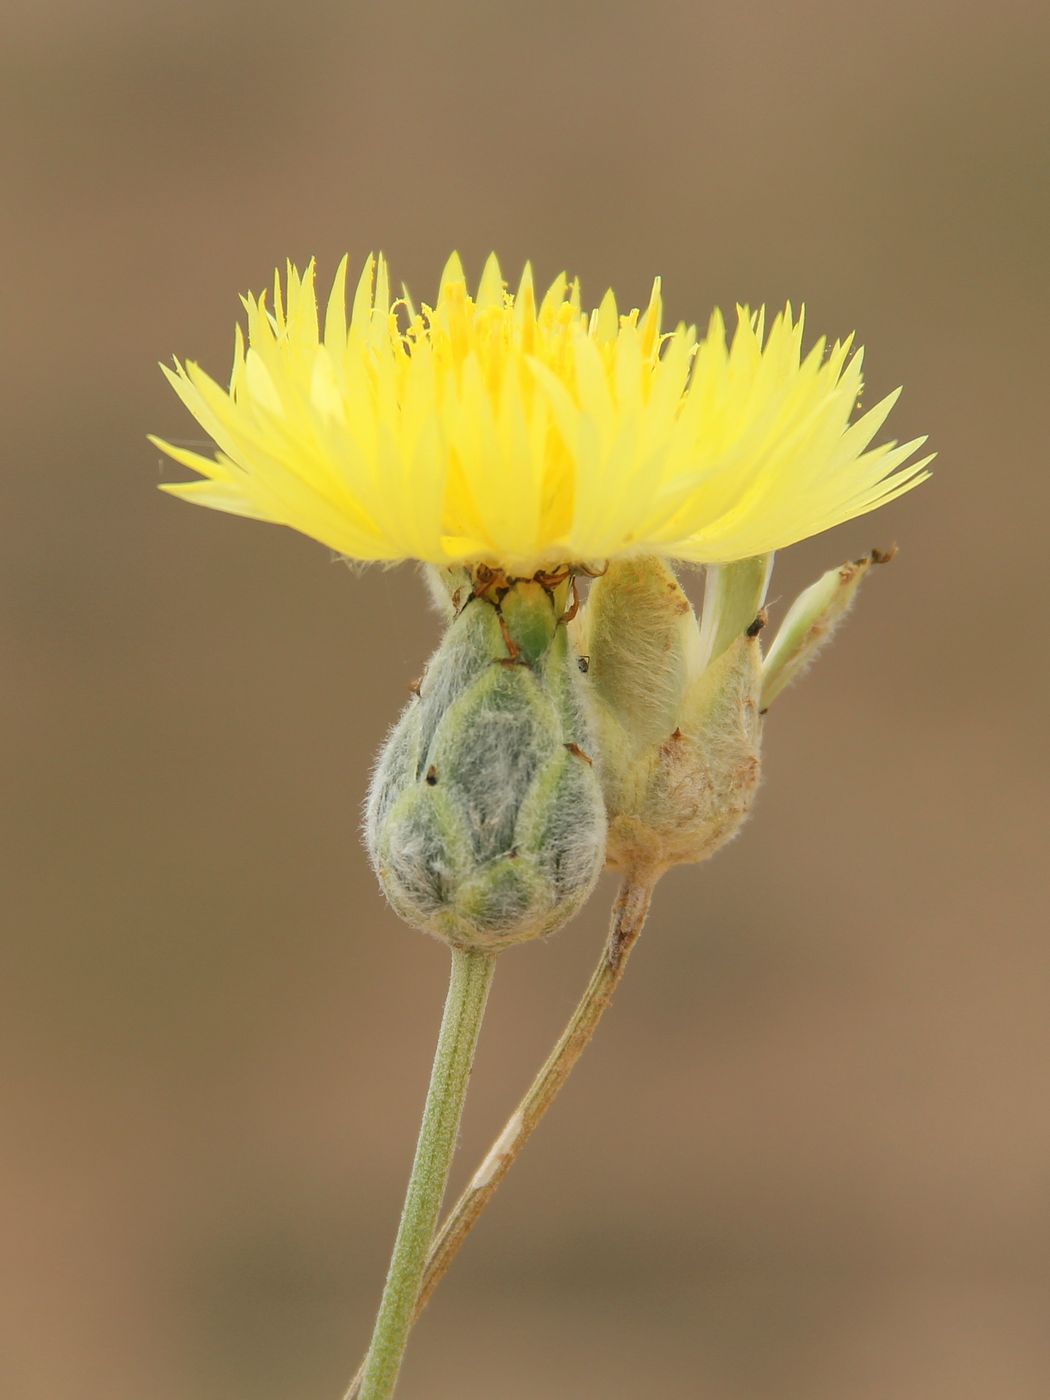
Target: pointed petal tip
x: 452, y: 273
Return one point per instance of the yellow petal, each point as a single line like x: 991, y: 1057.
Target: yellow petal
x: 492, y: 429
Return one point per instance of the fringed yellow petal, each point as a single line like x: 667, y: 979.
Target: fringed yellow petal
x: 527, y: 433
x: 218, y: 495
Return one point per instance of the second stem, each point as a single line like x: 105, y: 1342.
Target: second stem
x: 628, y: 917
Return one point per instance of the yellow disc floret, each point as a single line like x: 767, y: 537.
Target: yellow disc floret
x: 526, y: 433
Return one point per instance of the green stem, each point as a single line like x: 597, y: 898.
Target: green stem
x: 464, y: 1007
x: 628, y: 917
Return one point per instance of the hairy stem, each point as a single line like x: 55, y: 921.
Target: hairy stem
x: 628, y: 917
x: 464, y: 1007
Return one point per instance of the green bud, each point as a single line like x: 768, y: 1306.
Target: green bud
x: 485, y: 821
x: 678, y: 737
x: 810, y: 622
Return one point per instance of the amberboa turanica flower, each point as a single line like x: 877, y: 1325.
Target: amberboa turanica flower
x: 514, y: 443
x: 529, y: 433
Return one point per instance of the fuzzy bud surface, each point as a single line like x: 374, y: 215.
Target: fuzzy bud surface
x: 485, y: 820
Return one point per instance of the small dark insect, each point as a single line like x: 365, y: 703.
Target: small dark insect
x: 431, y: 776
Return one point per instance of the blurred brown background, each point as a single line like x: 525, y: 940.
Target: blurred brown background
x: 809, y: 1155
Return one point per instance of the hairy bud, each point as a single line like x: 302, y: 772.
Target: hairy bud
x: 485, y: 820
x: 678, y: 738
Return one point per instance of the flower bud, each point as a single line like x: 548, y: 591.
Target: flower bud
x: 485, y: 820
x: 810, y: 622
x: 678, y: 738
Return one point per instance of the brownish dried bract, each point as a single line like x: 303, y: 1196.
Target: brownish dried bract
x: 513, y: 656
x: 488, y: 581
x: 574, y: 604
x: 577, y: 752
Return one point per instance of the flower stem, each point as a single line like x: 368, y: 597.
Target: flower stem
x: 628, y: 917
x: 464, y: 1007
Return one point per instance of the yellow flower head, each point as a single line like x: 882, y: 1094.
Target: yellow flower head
x: 526, y: 434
